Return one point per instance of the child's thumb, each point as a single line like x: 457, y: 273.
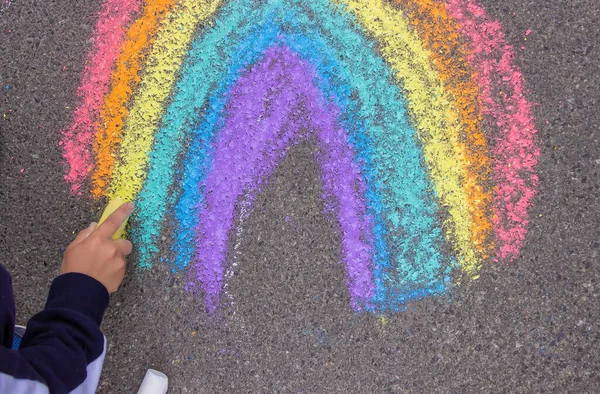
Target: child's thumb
x: 83, y: 234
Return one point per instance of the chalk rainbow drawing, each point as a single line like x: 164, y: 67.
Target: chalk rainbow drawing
x: 425, y: 140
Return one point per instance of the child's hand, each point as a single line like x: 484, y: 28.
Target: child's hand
x: 95, y: 254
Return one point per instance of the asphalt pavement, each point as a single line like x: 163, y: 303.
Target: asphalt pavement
x: 529, y: 326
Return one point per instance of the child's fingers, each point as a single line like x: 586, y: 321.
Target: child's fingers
x: 114, y: 221
x: 124, y: 246
x: 83, y: 234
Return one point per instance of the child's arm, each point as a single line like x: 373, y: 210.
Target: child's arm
x: 63, y: 349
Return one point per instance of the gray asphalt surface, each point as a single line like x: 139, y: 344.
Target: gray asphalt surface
x: 531, y: 326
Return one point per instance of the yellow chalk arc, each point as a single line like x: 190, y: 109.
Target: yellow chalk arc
x: 160, y: 74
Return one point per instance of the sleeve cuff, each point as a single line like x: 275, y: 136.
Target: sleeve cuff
x: 80, y: 293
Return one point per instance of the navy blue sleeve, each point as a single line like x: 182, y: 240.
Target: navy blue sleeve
x: 63, y: 348
x: 7, y: 309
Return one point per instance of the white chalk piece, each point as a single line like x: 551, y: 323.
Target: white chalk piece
x: 155, y: 382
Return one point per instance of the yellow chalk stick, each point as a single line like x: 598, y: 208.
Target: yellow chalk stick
x: 110, y: 208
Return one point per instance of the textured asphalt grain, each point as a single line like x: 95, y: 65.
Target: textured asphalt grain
x: 529, y: 326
